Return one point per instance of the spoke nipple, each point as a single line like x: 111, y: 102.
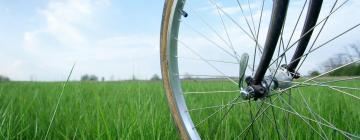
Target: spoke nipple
x: 296, y: 75
x: 183, y: 13
x: 285, y: 66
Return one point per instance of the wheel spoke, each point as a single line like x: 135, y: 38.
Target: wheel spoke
x: 227, y: 35
x: 211, y: 65
x: 217, y: 106
x: 208, y: 76
x: 287, y: 120
x: 213, y: 60
x: 346, y: 93
x: 228, y: 111
x: 332, y: 125
x: 272, y: 108
x: 181, y: 92
x: 210, y: 60
x: 212, y: 42
x: 281, y: 91
x: 273, y: 124
x: 312, y: 15
x: 317, y: 36
x: 274, y: 118
x: 229, y: 42
x: 231, y: 103
x: 257, y: 36
x: 312, y: 113
x: 236, y: 23
x: 246, y: 20
x: 258, y: 114
x: 252, y: 17
x: 311, y: 29
x: 325, y: 85
x: 309, y: 119
x: 297, y: 23
x: 252, y: 118
x: 323, y: 20
x: 210, y: 92
x: 220, y: 38
x: 341, y: 80
x: 292, y: 33
x: 322, y: 45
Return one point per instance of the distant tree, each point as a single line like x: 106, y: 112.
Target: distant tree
x: 133, y: 78
x: 356, y: 49
x: 93, y: 78
x: 155, y: 77
x: 87, y: 77
x: 341, y: 59
x: 102, y: 79
x: 84, y: 77
x: 314, y: 73
x: 187, y: 76
x: 4, y: 78
x: 350, y: 70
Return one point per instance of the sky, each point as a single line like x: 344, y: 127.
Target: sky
x: 42, y: 39
x: 115, y: 39
x: 340, y: 21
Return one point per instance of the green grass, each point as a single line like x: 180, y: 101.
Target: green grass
x: 126, y: 110
x: 138, y: 110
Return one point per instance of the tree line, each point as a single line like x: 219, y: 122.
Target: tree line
x: 4, y: 78
x: 342, y: 59
x: 336, y: 61
x: 94, y: 78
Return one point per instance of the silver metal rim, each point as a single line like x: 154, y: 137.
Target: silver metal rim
x: 174, y: 79
x: 173, y: 72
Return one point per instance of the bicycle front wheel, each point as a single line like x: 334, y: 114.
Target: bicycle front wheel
x: 204, y: 63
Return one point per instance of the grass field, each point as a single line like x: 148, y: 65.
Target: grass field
x: 138, y: 110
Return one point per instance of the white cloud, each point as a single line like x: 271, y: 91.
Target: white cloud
x: 65, y: 22
x: 63, y: 19
x: 130, y: 40
x: 336, y: 25
x: 231, y: 10
x: 7, y: 10
x: 126, y: 47
x: 64, y: 40
x: 30, y: 40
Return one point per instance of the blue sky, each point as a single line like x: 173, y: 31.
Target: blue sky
x: 115, y: 39
x: 42, y: 39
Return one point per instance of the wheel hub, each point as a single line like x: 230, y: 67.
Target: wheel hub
x: 281, y: 80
